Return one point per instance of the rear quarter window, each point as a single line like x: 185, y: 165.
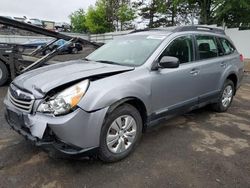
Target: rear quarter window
x: 227, y: 46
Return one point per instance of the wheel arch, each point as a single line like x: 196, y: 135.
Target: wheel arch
x: 5, y: 63
x: 135, y: 102
x: 233, y: 77
x: 8, y: 72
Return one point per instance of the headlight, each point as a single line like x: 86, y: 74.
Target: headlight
x: 65, y: 101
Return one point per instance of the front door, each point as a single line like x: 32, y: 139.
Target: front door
x: 176, y: 88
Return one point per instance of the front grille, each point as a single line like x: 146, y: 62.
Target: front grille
x: 21, y: 100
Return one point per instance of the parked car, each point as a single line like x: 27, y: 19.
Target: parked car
x: 35, y: 43
x: 62, y: 27
x: 33, y: 21
x: 71, y: 49
x: 103, y: 103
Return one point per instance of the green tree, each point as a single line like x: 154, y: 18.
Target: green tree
x: 152, y: 11
x: 125, y: 15
x: 96, y: 18
x: 119, y: 13
x: 165, y: 13
x: 108, y: 15
x: 233, y: 13
x: 78, y: 21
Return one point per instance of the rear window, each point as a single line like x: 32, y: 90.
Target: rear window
x: 227, y: 46
x: 207, y: 47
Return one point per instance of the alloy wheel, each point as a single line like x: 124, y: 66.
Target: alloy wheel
x: 227, y: 96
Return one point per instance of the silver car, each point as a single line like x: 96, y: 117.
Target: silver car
x: 103, y: 103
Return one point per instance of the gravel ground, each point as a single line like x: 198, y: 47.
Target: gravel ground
x: 198, y: 149
x: 65, y: 57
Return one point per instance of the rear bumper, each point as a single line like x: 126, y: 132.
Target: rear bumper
x: 74, y: 133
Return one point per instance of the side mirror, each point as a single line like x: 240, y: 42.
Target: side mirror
x: 169, y: 62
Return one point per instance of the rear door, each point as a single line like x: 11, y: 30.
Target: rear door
x: 211, y: 66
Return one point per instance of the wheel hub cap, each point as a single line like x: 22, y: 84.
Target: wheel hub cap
x: 121, y: 134
x: 227, y: 96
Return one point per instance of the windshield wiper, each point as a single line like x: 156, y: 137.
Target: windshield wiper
x: 108, y: 62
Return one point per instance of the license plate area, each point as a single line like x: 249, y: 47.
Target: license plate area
x: 16, y: 119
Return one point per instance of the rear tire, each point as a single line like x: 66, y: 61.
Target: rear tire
x: 226, y: 97
x: 4, y: 74
x: 47, y: 51
x: 74, y: 51
x: 120, y: 133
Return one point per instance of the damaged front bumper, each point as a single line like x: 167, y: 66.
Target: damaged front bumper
x: 74, y: 133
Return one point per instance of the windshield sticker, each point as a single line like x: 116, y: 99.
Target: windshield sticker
x: 156, y: 37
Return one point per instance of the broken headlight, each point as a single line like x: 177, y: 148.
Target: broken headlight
x: 65, y: 101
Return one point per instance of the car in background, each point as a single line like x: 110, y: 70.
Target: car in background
x: 62, y: 27
x: 4, y: 26
x: 36, y: 22
x: 71, y: 49
x: 33, y: 21
x: 34, y: 43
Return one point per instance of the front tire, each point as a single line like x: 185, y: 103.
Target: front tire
x: 226, y: 97
x: 120, y: 133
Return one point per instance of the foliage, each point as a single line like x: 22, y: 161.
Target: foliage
x: 105, y: 16
x: 110, y: 15
x: 152, y: 10
x: 234, y: 13
x: 96, y: 19
x: 125, y: 14
x: 119, y: 13
x: 166, y: 13
x: 77, y: 20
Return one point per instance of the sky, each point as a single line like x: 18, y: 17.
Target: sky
x: 51, y: 10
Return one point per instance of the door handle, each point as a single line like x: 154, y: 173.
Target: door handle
x: 223, y: 64
x: 194, y: 72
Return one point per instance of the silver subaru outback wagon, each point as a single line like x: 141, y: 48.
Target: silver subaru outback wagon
x: 103, y: 103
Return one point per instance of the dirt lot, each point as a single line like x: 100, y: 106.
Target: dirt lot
x: 247, y: 65
x: 199, y: 149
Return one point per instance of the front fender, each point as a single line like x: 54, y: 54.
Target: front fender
x: 105, y: 92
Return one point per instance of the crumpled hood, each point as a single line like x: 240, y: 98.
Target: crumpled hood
x: 42, y: 80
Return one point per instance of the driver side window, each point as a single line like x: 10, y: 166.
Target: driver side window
x: 181, y: 48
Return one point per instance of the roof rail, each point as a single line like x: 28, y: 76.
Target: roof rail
x: 173, y: 29
x: 199, y: 28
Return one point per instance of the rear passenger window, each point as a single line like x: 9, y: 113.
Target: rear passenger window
x: 207, y: 47
x: 227, y: 46
x: 181, y: 48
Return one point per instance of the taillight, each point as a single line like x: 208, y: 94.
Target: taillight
x: 241, y: 58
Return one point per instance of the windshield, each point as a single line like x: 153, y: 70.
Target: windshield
x: 131, y: 51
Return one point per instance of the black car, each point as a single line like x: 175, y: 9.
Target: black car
x: 71, y: 49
